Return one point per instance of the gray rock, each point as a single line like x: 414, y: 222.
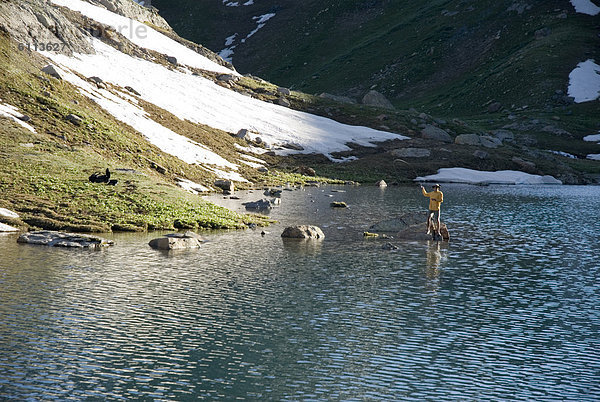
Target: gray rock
x: 225, y: 185
x: 495, y: 107
x: 411, y: 152
x: 467, y: 139
x: 523, y: 164
x: 273, y: 192
x: 133, y: 91
x: 481, y: 154
x: 418, y: 232
x: 172, y: 242
x: 490, y: 142
x: 227, y: 78
x: 263, y: 169
x: 30, y: 22
x: 62, y: 239
x: 74, y: 119
x: 435, y: 133
x: 556, y: 131
x: 303, y: 232
x: 172, y: 60
x: 341, y: 99
x: 291, y: 145
x: 243, y: 134
x: 504, y: 135
x: 374, y: 98
x: 51, y: 71
x: 259, y: 205
x: 389, y: 246
x: 281, y: 101
x: 284, y: 91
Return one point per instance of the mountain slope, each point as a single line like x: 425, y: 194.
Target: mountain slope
x: 447, y: 57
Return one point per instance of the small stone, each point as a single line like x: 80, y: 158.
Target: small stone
x: 74, y: 119
x: 51, y: 71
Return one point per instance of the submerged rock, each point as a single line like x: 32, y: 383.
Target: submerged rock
x: 62, y: 239
x: 303, y: 232
x: 410, y: 226
x: 338, y: 204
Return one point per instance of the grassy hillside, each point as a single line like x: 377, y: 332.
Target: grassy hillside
x: 44, y: 175
x: 445, y: 57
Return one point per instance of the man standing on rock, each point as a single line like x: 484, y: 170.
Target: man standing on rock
x: 436, y: 197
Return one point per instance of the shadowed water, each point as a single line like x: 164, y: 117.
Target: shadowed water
x: 509, y: 309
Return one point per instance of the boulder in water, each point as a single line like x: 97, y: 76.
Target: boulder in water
x: 303, y: 232
x: 177, y: 241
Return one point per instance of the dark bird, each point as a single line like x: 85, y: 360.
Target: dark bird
x: 100, y: 178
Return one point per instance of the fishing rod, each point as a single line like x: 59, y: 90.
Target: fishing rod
x: 409, y: 165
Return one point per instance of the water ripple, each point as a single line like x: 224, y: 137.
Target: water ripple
x: 508, y: 309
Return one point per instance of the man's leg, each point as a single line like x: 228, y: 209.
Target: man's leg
x: 429, y: 222
x: 439, y: 226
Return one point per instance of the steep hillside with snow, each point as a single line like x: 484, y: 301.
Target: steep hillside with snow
x: 445, y: 57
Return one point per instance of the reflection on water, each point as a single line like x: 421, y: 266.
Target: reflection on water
x: 508, y: 309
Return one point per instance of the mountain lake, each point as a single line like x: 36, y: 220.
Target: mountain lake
x: 509, y: 308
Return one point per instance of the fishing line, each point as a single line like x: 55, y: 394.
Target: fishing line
x: 409, y: 165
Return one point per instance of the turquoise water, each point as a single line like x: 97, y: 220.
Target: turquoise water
x: 508, y: 309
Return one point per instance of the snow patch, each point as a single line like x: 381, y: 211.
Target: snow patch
x: 13, y: 113
x: 254, y: 150
x: 585, y: 7
x: 261, y: 21
x: 144, y: 36
x: 191, y: 186
x: 584, y: 82
x: 594, y: 157
x: 592, y: 138
x: 561, y: 153
x: 470, y: 176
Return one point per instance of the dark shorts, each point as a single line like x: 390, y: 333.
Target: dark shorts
x: 435, y: 214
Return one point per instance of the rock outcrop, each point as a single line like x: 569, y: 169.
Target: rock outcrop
x: 435, y: 133
x: 303, y: 232
x: 62, y: 239
x: 33, y: 21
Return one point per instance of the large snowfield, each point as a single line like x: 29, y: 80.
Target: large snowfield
x: 197, y: 99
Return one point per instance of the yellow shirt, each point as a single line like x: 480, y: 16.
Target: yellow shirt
x: 435, y: 199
